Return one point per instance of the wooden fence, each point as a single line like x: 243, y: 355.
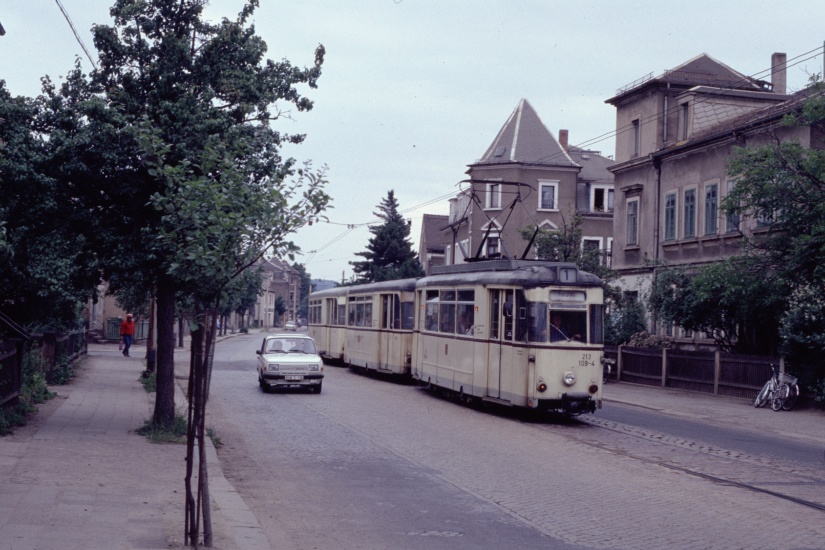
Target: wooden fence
x: 707, y: 372
x: 57, y: 349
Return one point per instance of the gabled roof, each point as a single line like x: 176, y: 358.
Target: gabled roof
x: 524, y: 139
x: 701, y: 70
x: 594, y: 165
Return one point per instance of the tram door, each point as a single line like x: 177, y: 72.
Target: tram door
x: 389, y: 341
x: 331, y: 310
x: 501, y: 332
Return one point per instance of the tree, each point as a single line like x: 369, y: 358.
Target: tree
x: 782, y: 186
x: 306, y: 288
x: 46, y: 270
x: 169, y: 148
x: 389, y: 255
x: 736, y: 305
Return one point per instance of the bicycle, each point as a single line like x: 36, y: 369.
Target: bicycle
x: 781, y: 391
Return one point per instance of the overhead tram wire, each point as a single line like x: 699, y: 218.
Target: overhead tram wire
x: 811, y: 54
x: 74, y: 30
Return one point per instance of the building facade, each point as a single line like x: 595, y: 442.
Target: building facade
x: 527, y: 178
x: 674, y: 137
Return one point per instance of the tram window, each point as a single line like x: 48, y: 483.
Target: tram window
x: 447, y: 318
x: 508, y: 314
x: 396, y: 312
x: 465, y: 314
x: 466, y: 295
x: 597, y: 324
x: 536, y: 322
x: 367, y: 321
x: 448, y: 295
x: 342, y: 315
x: 407, y: 315
x: 567, y: 325
x: 432, y: 310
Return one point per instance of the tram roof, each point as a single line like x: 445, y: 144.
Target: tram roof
x: 400, y: 284
x: 528, y: 273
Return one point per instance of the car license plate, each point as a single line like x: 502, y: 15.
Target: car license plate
x: 290, y: 377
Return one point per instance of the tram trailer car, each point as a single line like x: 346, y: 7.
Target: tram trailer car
x: 371, y: 327
x: 327, y: 322
x: 517, y: 332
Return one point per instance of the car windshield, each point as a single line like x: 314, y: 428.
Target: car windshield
x: 290, y: 345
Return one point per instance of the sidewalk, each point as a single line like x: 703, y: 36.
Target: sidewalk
x: 801, y: 424
x: 78, y: 477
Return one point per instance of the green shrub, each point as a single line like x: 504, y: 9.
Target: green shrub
x: 176, y: 433
x: 149, y: 381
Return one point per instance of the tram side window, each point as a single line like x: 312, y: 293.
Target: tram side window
x: 431, y: 312
x: 597, y: 324
x: 447, y: 312
x: 407, y: 315
x: 396, y: 312
x: 367, y: 321
x: 342, y: 315
x: 465, y: 312
x: 567, y: 325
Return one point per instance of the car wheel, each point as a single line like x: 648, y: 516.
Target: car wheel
x: 264, y: 386
x: 318, y: 387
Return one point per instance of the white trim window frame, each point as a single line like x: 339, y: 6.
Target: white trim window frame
x: 548, y: 189
x: 492, y: 245
x: 632, y: 222
x: 689, y: 210
x: 606, y: 199
x: 492, y: 198
x: 711, y: 209
x: 608, y: 257
x: 671, y: 217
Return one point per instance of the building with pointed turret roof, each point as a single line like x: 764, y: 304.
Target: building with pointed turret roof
x: 527, y: 177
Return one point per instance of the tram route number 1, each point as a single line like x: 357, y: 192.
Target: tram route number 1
x: 587, y: 360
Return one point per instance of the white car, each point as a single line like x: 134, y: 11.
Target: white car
x: 289, y: 360
x: 290, y: 325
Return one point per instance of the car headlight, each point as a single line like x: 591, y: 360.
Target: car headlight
x: 272, y: 367
x: 569, y: 378
x: 315, y: 367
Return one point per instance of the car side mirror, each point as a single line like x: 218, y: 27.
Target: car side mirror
x: 258, y: 351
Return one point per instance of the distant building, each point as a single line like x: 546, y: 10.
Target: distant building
x: 279, y: 279
x: 430, y: 245
x: 526, y: 177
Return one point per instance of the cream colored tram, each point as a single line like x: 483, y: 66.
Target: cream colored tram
x: 380, y: 321
x: 327, y: 320
x: 515, y: 332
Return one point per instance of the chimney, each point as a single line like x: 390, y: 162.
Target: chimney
x: 563, y: 140
x: 778, y: 73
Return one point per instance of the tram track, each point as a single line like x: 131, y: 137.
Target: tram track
x: 789, y: 481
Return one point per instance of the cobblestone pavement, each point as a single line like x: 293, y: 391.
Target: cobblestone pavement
x: 592, y: 487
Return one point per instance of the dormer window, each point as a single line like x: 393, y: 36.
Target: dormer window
x: 683, y: 121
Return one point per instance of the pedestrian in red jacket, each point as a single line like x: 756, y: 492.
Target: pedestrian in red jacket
x: 127, y: 332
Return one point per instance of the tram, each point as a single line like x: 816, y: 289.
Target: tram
x: 523, y: 333
x: 368, y: 326
x: 517, y: 332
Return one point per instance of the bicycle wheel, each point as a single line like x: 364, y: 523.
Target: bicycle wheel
x: 762, y: 397
x: 779, y: 397
x: 792, y: 398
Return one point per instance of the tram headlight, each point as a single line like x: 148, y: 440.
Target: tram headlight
x: 542, y: 387
x: 569, y: 378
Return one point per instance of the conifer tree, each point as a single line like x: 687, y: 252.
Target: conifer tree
x: 389, y: 254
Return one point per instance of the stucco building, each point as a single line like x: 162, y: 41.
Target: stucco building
x: 674, y: 136
x: 526, y: 177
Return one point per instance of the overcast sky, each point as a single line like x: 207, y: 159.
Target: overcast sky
x: 413, y: 91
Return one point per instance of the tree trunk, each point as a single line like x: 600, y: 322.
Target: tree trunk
x: 164, y: 414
